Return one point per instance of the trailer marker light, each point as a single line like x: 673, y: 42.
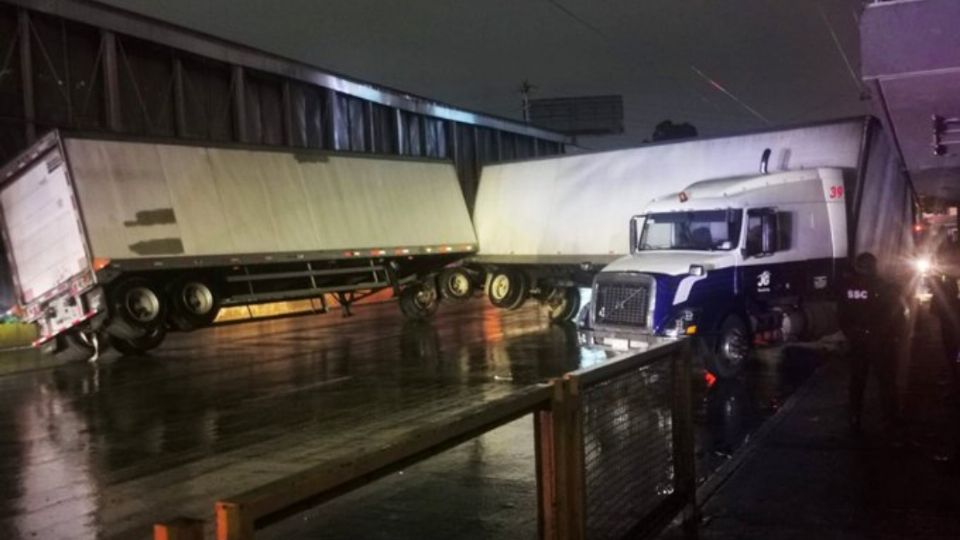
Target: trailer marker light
x: 691, y: 330
x: 356, y: 253
x: 99, y: 263
x: 429, y: 250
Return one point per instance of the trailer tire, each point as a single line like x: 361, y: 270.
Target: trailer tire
x: 731, y: 350
x: 563, y: 304
x: 508, y: 289
x: 456, y: 284
x: 139, y: 307
x: 418, y: 302
x: 194, y: 303
x: 141, y: 345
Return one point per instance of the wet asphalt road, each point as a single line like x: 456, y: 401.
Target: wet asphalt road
x: 102, y: 451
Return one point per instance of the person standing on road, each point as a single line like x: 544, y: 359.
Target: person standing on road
x: 946, y: 306
x: 872, y: 319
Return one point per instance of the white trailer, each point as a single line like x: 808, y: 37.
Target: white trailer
x: 129, y: 238
x: 546, y: 227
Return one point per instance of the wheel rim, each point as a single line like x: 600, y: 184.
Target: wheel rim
x: 197, y: 298
x: 423, y: 299
x: 458, y: 284
x: 733, y: 347
x: 142, y: 304
x: 558, y: 304
x: 500, y: 286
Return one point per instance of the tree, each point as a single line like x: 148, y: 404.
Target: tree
x: 667, y: 130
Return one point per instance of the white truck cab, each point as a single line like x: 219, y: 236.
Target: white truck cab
x: 729, y: 261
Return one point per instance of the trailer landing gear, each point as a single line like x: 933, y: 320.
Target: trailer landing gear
x: 78, y: 345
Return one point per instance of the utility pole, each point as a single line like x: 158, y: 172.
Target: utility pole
x: 525, y: 90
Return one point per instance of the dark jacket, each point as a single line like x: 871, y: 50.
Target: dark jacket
x: 871, y: 305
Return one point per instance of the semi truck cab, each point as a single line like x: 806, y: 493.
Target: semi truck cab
x: 729, y: 262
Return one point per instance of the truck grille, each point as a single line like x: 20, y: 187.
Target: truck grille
x: 626, y: 304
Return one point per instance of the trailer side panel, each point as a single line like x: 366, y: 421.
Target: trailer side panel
x: 146, y: 200
x: 580, y: 206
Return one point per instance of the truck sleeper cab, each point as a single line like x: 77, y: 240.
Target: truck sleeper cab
x: 730, y: 262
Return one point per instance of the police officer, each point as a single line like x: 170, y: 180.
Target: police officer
x: 872, y: 318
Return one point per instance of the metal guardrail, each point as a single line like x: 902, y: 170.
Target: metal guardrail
x: 626, y: 456
x: 614, y: 454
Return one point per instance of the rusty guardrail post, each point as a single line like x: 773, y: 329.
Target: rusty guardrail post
x: 684, y: 445
x: 234, y: 522
x: 179, y: 529
x: 569, y: 508
x: 545, y: 455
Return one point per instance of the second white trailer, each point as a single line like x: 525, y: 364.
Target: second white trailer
x: 546, y: 227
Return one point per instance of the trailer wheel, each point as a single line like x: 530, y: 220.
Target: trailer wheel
x: 456, y: 283
x: 731, y: 350
x: 194, y: 303
x: 508, y: 289
x: 139, y: 307
x: 138, y: 346
x: 418, y: 302
x: 563, y: 304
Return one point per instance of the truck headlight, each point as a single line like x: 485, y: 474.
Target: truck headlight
x: 922, y: 265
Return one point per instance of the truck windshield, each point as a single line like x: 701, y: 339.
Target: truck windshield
x: 705, y: 230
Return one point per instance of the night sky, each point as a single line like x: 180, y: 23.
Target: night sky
x: 779, y: 58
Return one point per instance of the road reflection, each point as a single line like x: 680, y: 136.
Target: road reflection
x: 83, y: 447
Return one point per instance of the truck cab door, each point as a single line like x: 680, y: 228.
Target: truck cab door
x: 767, y: 271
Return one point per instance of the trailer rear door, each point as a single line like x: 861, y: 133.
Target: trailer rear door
x: 43, y: 229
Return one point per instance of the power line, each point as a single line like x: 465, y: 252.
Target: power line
x: 616, y: 49
x: 729, y: 94
x: 843, y: 53
x: 580, y: 20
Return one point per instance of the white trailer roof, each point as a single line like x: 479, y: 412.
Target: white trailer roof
x: 147, y: 200
x: 579, y: 206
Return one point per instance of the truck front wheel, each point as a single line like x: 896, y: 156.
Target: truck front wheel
x: 730, y: 352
